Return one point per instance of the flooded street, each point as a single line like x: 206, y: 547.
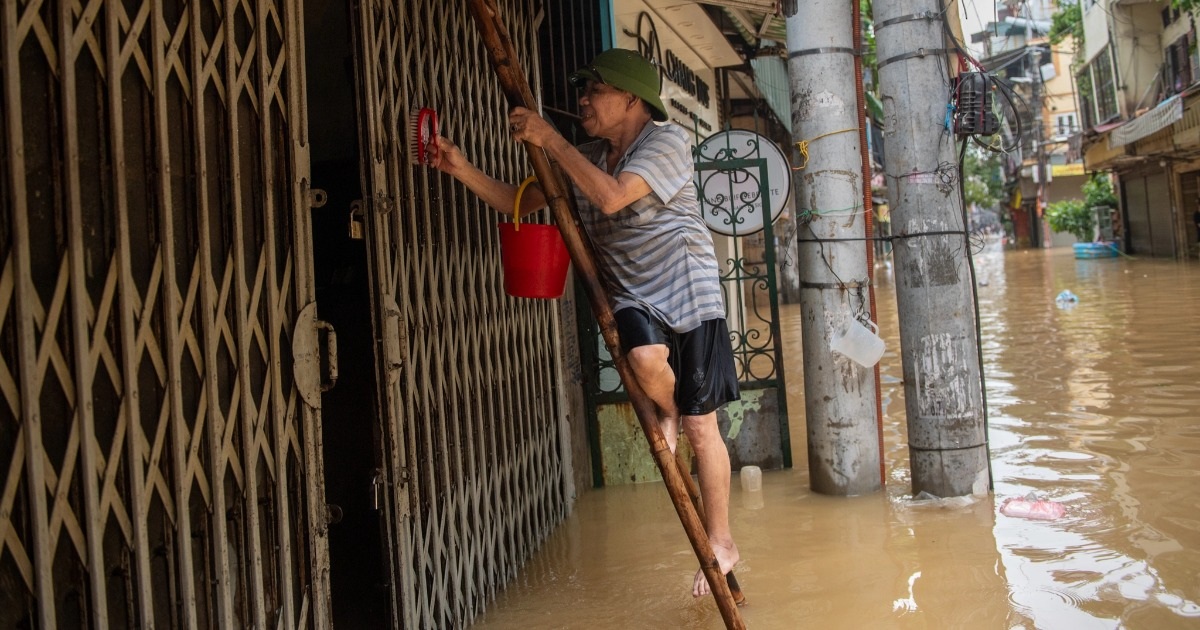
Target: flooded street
x: 1095, y: 405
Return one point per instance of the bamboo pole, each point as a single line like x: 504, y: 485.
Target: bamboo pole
x: 516, y: 90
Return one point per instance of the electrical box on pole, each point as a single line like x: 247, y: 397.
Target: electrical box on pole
x: 974, y: 114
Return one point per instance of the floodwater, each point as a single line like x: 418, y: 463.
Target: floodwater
x: 1095, y: 406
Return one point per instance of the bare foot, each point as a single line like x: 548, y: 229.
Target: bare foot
x: 727, y: 556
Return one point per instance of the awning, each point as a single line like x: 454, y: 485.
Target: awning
x: 1167, y: 112
x: 756, y: 22
x: 771, y: 77
x: 763, y: 6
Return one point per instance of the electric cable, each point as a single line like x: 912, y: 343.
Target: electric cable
x: 987, y: 443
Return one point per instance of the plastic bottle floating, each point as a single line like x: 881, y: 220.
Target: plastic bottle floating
x: 1033, y: 508
x: 1066, y: 299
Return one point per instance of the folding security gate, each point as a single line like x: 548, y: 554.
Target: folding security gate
x: 1150, y: 228
x: 160, y: 463
x: 471, y: 473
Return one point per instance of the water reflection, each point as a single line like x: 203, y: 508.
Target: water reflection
x: 1093, y: 406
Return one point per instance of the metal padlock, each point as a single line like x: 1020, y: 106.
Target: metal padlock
x: 356, y: 221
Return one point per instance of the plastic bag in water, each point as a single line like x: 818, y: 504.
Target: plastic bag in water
x: 1066, y: 299
x: 1033, y: 508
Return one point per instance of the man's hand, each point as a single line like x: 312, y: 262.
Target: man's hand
x: 527, y: 126
x: 446, y: 157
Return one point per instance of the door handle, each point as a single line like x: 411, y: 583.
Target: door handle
x: 376, y: 481
x: 331, y: 354
x: 306, y: 356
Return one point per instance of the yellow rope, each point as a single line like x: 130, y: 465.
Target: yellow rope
x: 802, y: 145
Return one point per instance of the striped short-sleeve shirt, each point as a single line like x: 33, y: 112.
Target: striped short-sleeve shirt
x: 657, y: 252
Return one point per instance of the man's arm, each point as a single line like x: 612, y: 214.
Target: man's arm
x: 499, y: 195
x: 608, y: 193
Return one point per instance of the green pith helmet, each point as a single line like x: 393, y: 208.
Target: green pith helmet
x: 625, y: 70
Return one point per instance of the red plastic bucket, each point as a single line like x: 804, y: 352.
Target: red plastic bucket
x: 533, y: 256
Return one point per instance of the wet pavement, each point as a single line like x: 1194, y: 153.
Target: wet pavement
x: 1095, y: 405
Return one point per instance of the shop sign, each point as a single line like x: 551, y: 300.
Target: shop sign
x: 1066, y: 170
x: 688, y: 86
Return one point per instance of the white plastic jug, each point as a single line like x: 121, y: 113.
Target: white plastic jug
x: 752, y: 494
x: 751, y: 478
x: 859, y: 343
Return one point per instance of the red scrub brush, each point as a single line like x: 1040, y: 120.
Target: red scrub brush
x: 423, y: 133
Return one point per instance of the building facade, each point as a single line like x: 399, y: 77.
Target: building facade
x: 1141, y: 119
x: 1041, y: 169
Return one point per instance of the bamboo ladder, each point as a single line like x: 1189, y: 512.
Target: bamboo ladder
x: 683, y: 493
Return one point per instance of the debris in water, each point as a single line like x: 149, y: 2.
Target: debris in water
x: 1033, y: 508
x: 1066, y: 298
x: 925, y: 499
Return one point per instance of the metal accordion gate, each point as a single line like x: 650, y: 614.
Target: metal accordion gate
x: 161, y: 467
x: 473, y: 475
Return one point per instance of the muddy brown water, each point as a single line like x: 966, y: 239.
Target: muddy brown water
x: 1095, y: 406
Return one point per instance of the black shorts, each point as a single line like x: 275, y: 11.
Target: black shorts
x: 702, y: 358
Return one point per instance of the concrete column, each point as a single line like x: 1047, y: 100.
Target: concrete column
x: 843, y: 438
x: 942, y: 383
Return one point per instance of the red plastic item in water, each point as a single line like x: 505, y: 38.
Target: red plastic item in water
x: 1034, y: 509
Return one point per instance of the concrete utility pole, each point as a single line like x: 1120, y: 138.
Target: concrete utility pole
x: 843, y: 437
x: 947, y: 436
x: 1039, y: 133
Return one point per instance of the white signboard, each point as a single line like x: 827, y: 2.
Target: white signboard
x: 688, y: 84
x: 731, y: 199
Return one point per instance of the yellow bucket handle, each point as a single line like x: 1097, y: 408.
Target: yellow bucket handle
x: 517, y: 201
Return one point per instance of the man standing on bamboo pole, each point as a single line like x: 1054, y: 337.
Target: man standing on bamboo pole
x: 638, y: 204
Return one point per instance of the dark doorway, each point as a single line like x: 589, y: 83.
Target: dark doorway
x: 1190, y: 191
x: 357, y: 573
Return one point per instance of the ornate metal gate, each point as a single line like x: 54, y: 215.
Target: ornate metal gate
x: 732, y: 181
x: 160, y: 465
x: 471, y: 476
x: 736, y: 189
